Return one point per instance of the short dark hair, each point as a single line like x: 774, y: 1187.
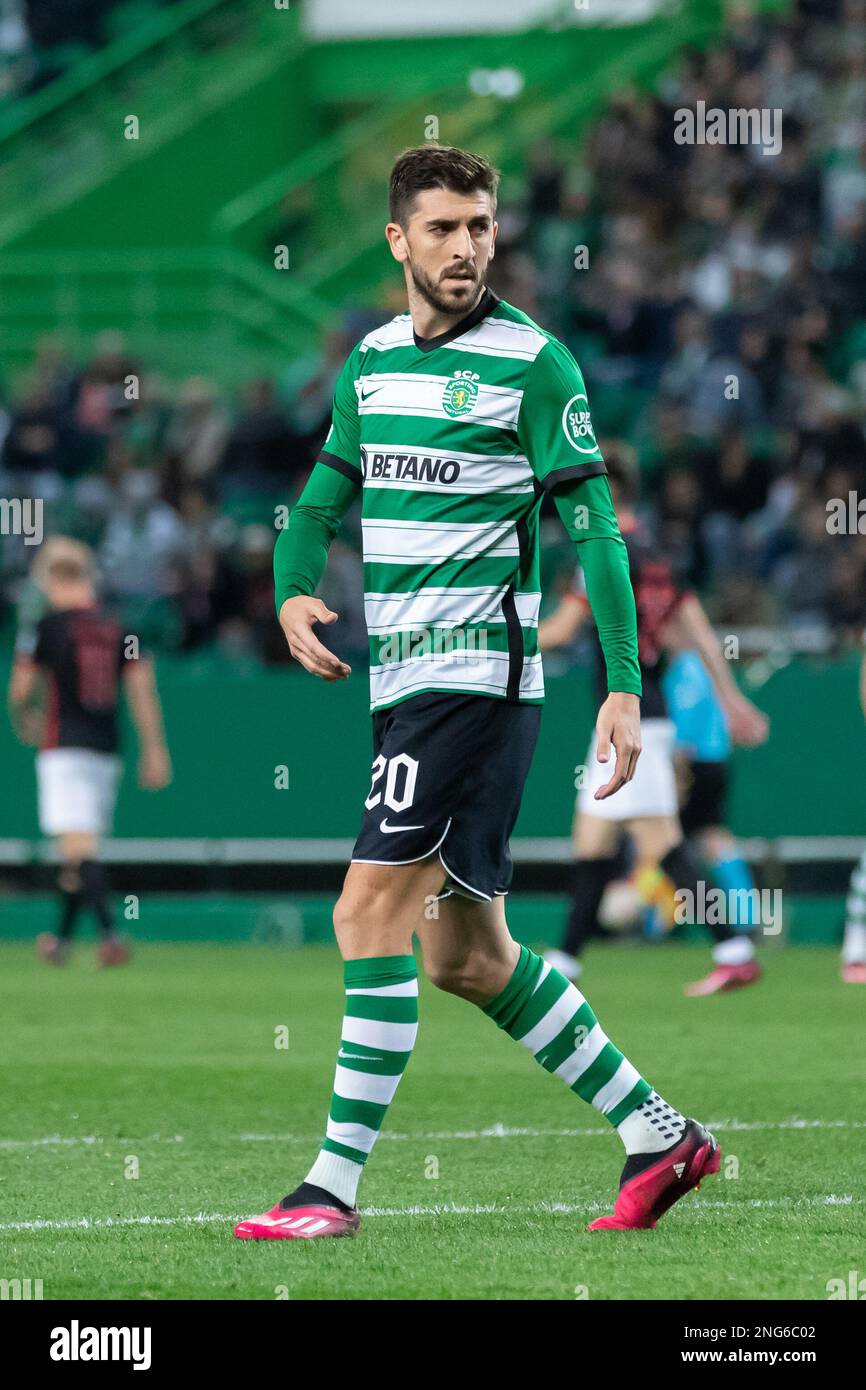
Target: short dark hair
x: 437, y: 166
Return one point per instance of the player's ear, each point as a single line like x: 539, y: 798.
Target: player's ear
x: 396, y: 239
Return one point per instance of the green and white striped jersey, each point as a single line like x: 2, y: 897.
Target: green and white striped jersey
x: 454, y: 440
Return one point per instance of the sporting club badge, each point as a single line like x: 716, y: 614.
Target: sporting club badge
x: 460, y: 393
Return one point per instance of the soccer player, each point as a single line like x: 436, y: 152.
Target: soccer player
x: 79, y: 659
x: 854, y: 944
x: 647, y: 807
x: 702, y: 753
x: 451, y: 421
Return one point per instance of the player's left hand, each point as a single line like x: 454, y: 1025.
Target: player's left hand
x: 618, y: 723
x: 154, y: 768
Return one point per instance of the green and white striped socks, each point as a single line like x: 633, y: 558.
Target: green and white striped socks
x: 545, y: 1012
x: 539, y: 1008
x: 379, y: 1030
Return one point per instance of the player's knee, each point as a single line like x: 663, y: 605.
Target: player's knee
x: 69, y: 878
x: 346, y: 917
x: 473, y: 977
x: 75, y: 848
x: 368, y: 924
x: 668, y: 844
x: 444, y: 974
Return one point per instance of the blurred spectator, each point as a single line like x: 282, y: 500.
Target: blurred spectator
x: 803, y: 581
x: 35, y: 438
x: 198, y: 432
x: 260, y: 450
x: 143, y: 537
x: 678, y: 529
x: 739, y: 483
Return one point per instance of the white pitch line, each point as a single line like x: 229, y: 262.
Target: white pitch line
x: 86, y: 1223
x: 500, y: 1131
x: 87, y: 1140
x: 829, y: 1199
x: 497, y: 1131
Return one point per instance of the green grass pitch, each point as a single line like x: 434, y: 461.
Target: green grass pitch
x: 483, y: 1181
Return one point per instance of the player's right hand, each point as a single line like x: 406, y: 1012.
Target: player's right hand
x: 297, y: 617
x: 154, y: 767
x: 749, y: 726
x: 618, y: 724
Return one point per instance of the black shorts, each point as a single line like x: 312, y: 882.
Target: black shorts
x: 707, y: 790
x: 448, y: 776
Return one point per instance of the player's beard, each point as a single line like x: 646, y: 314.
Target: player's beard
x: 445, y: 301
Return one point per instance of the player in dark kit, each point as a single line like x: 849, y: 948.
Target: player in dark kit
x: 647, y: 807
x: 64, y: 695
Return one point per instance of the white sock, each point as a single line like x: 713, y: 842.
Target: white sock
x: 567, y: 965
x: 337, y: 1175
x: 736, y: 951
x: 854, y: 945
x: 652, y: 1127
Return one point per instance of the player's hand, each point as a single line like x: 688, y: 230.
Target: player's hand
x: 618, y: 723
x: 154, y: 768
x: 297, y: 617
x: 748, y: 725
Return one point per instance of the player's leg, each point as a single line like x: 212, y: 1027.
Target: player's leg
x: 671, y: 872
x: 71, y: 897
x: 595, y: 842
x: 423, y: 758
x: 662, y: 864
x: 103, y: 776
x: 854, y: 944
x: 702, y: 815
x: 729, y: 869
x: 380, y: 907
x: 80, y: 850
x: 469, y: 951
x: 77, y: 792
x: 652, y: 817
x: 58, y: 809
x: 375, y: 918
x: 54, y: 946
x: 650, y: 797
x: 467, y: 948
x: 596, y: 835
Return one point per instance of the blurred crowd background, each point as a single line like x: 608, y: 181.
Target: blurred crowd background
x: 42, y: 39
x: 714, y: 296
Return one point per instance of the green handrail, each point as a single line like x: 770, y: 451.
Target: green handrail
x: 104, y: 63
